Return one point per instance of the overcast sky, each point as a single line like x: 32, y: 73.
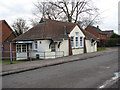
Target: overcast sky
x: 12, y: 9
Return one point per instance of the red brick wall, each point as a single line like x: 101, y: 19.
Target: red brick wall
x: 7, y: 36
x: 6, y: 51
x: 102, y: 36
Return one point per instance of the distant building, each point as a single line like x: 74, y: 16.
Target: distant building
x: 108, y: 33
x: 96, y: 32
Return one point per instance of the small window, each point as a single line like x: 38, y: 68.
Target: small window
x: 18, y: 48
x: 35, y: 45
x: 77, y: 34
x: 53, y: 47
x: 81, y: 41
x: 2, y: 47
x: 72, y: 41
x: 77, y: 44
x: 23, y: 48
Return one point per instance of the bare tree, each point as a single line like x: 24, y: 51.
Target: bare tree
x: 66, y: 10
x: 20, y: 26
x: 46, y: 10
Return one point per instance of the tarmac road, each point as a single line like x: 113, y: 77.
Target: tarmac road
x: 89, y: 73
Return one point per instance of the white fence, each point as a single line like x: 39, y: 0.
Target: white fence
x: 13, y: 55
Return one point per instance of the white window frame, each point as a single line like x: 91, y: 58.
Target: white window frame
x: 72, y: 41
x: 77, y: 42
x: 81, y: 41
x: 76, y: 34
x: 35, y: 45
x: 24, y: 49
x: 20, y: 49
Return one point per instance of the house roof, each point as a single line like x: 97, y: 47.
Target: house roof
x: 95, y: 29
x: 7, y: 34
x: 50, y: 29
x: 89, y: 36
x: 108, y: 31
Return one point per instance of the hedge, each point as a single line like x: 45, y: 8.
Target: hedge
x: 112, y: 42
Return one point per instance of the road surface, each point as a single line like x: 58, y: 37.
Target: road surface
x: 89, y: 73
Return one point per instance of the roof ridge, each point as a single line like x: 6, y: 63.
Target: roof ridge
x: 60, y: 21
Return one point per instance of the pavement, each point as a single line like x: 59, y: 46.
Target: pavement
x: 26, y: 66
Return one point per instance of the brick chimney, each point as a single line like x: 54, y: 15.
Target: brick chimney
x: 98, y: 27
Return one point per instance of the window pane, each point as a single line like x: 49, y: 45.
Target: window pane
x: 77, y: 34
x: 35, y: 45
x: 72, y: 41
x: 77, y: 44
x: 23, y: 48
x: 18, y: 48
x: 81, y: 41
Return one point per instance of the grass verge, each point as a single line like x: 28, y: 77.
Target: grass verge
x: 8, y: 61
x: 101, y: 49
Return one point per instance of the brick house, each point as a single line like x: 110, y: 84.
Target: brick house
x: 6, y: 36
x: 109, y: 33
x: 96, y: 32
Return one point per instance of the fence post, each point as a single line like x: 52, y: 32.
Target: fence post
x: 30, y: 55
x: 63, y: 53
x: 55, y: 54
x: 11, y: 52
x: 13, y: 56
x: 44, y: 55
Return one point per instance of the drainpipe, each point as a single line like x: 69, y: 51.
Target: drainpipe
x: 85, y: 51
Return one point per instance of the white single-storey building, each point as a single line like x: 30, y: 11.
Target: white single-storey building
x: 51, y: 39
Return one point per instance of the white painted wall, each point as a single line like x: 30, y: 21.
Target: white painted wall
x: 90, y: 47
x: 43, y: 49
x: 77, y: 50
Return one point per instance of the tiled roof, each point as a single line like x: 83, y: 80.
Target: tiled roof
x: 89, y: 36
x: 96, y: 29
x: 50, y: 29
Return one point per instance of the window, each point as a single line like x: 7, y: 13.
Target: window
x: 77, y: 34
x: 77, y: 44
x: 53, y: 47
x: 72, y: 41
x: 23, y: 48
x: 2, y: 47
x: 35, y: 45
x: 18, y: 48
x: 81, y: 41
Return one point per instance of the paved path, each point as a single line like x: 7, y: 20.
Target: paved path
x: 89, y: 73
x: 20, y: 67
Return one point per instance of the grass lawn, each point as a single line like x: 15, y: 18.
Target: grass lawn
x: 8, y: 61
x: 101, y: 49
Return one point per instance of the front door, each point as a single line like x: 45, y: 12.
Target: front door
x: 21, y: 52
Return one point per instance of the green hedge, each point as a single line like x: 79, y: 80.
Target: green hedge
x: 112, y: 42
